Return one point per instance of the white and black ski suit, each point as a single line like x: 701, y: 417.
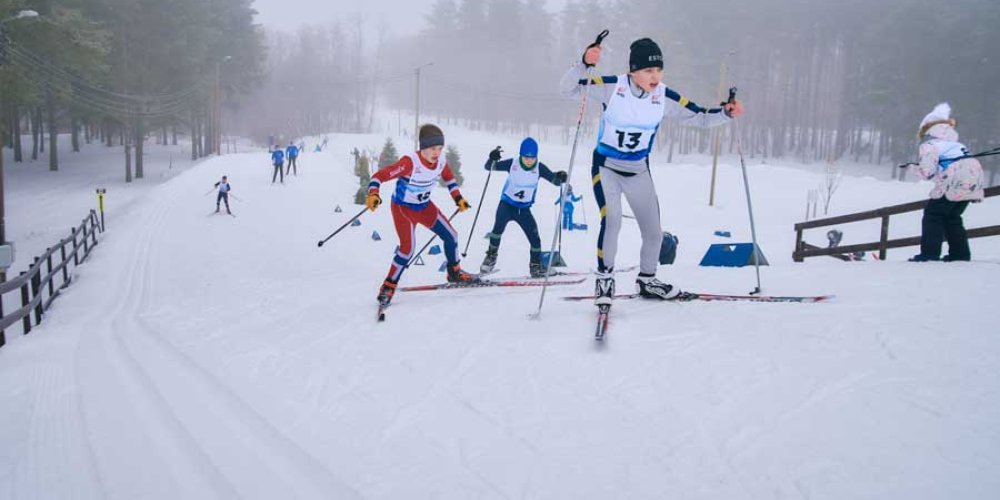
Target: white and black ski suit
x: 629, y: 122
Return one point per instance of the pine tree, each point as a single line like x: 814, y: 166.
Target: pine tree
x: 454, y: 160
x: 388, y: 156
x: 363, y: 179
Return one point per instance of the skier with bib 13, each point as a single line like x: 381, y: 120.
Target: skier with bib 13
x: 634, y: 104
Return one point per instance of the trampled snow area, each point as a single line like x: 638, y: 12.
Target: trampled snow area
x: 207, y: 356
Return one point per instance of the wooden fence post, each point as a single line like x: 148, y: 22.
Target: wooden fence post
x: 62, y: 251
x: 36, y: 289
x: 882, y: 248
x: 48, y: 261
x: 26, y: 321
x: 86, y: 244
x: 76, y: 254
x: 797, y: 255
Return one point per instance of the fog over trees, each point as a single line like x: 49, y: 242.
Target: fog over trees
x: 821, y: 81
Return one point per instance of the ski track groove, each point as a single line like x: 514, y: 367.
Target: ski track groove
x: 297, y: 470
x: 204, y: 452
x: 161, y: 425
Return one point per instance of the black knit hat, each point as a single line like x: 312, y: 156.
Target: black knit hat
x: 430, y: 136
x: 644, y: 53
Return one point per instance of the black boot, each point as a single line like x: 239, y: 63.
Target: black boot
x: 604, y: 288
x: 386, y: 292
x: 457, y: 275
x: 489, y: 262
x: 652, y: 288
x: 535, y: 268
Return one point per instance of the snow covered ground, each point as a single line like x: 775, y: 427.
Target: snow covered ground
x: 206, y: 356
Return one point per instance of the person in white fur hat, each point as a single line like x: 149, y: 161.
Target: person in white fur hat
x: 958, y: 180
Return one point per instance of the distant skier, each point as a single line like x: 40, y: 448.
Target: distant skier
x: 569, y: 199
x: 278, y: 160
x: 292, y: 152
x: 517, y: 197
x: 956, y: 183
x: 411, y: 204
x: 634, y: 105
x: 224, y: 189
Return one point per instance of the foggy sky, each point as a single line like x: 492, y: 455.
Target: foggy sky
x: 402, y: 16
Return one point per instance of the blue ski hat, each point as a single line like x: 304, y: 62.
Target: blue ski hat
x: 529, y: 148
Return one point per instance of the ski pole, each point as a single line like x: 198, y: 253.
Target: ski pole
x: 746, y: 184
x: 341, y: 228
x: 478, y: 208
x: 417, y: 256
x: 237, y: 198
x: 556, y: 236
x: 990, y: 152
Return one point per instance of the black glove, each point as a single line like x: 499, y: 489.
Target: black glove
x: 495, y: 154
x: 560, y: 177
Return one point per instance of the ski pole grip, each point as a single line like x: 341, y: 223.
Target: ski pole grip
x: 732, y: 95
x: 601, y: 36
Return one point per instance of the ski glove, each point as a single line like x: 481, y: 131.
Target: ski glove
x: 373, y: 201
x: 560, y: 178
x: 495, y: 154
x: 462, y: 204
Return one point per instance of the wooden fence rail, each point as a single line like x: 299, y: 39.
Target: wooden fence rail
x: 803, y: 250
x: 35, y: 300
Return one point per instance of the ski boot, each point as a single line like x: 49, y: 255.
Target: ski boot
x: 457, y: 275
x: 489, y: 262
x: 604, y: 288
x: 386, y: 292
x: 535, y: 270
x: 651, y: 288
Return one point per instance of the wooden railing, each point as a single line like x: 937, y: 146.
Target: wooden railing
x: 803, y: 250
x: 35, y: 300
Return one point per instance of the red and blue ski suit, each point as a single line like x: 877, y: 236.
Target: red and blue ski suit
x: 411, y: 205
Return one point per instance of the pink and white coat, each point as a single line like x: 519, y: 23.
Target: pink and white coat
x: 961, y: 180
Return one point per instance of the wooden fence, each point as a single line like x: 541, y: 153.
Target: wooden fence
x: 803, y: 250
x: 31, y: 284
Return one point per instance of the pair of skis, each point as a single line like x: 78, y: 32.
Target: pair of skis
x: 604, y: 310
x: 481, y: 283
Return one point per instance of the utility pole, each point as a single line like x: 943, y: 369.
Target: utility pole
x: 416, y: 116
x: 717, y: 132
